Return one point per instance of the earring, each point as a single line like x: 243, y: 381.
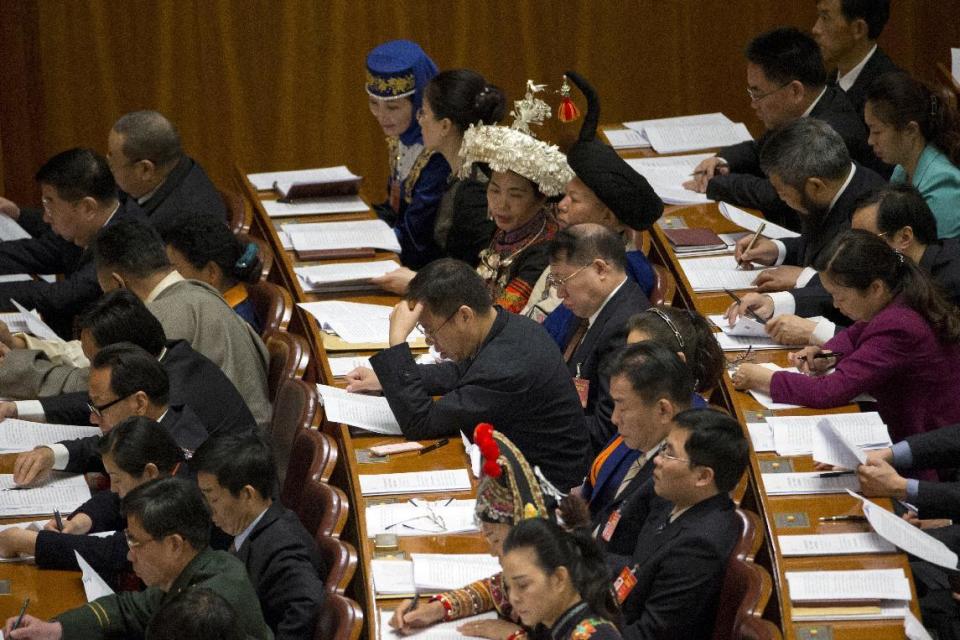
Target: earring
x: 568, y: 111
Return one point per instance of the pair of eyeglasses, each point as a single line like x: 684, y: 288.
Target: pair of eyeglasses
x: 757, y: 97
x: 663, y: 316
x: 133, y: 544
x: 433, y: 334
x: 746, y: 356
x: 555, y: 282
x: 98, y: 410
x: 662, y: 452
x: 432, y: 516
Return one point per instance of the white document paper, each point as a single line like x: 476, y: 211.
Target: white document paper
x: 35, y: 325
x: 751, y: 222
x: 415, y: 482
x: 473, y: 453
x: 10, y: 229
x: 729, y: 342
x: 352, y: 234
x: 831, y: 544
x: 666, y: 176
x: 358, y: 410
x: 765, y: 399
x: 831, y: 446
x: 392, y: 577
x: 439, y: 631
x: 422, y: 517
x: 717, y: 273
x: 625, y: 139
x: 912, y: 627
x: 264, y: 181
x: 342, y: 365
x: 761, y: 435
x: 678, y: 139
x: 870, y: 584
x: 315, y: 206
x: 343, y: 273
x: 62, y: 491
x: 694, y: 120
x: 794, y: 435
x: 786, y: 484
x: 22, y: 435
x: 955, y: 63
x: 93, y: 585
x: 911, y: 539
x: 745, y: 326
x: 442, y: 572
x: 355, y: 322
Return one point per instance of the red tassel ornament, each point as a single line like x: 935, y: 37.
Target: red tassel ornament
x: 483, y: 437
x: 568, y: 111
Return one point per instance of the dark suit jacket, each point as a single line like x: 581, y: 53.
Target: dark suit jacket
x: 518, y: 382
x: 187, y: 189
x: 634, y: 506
x: 878, y: 64
x: 815, y: 236
x: 194, y: 381
x: 746, y: 185
x: 58, y: 302
x: 937, y: 449
x: 679, y: 569
x: 285, y: 569
x: 607, y: 334
x: 180, y: 422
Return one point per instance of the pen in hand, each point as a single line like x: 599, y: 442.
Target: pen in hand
x: 823, y: 355
x: 753, y: 241
x: 59, y: 520
x: 23, y: 610
x: 750, y: 313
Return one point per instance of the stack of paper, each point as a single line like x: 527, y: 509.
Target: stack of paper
x: 392, y: 578
x: 355, y: 322
x: 441, y: 572
x: 270, y: 180
x: 334, y: 236
x: 447, y: 480
x: 667, y: 175
x: 640, y: 126
x: 857, y: 594
x: 678, y: 139
x: 830, y: 544
x: 765, y: 399
x: 785, y: 484
x: 422, y: 517
x: 761, y: 435
x: 61, y: 492
x: 747, y: 333
x: 358, y: 410
x: 346, y: 276
x: 717, y: 273
x: 751, y: 222
x: 439, y: 631
x: 794, y: 435
x: 625, y: 138
x: 315, y: 206
x: 21, y: 435
x: 342, y: 365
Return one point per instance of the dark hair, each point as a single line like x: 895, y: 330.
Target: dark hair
x: 445, y: 285
x: 136, y: 442
x: 857, y: 258
x: 899, y: 206
x: 465, y: 97
x: 787, y: 54
x: 132, y: 369
x: 202, y: 239
x: 79, y: 173
x: 131, y: 248
x: 148, y: 135
x: 716, y: 440
x: 120, y: 316
x: 654, y: 372
x: 701, y: 350
x: 166, y: 506
x: 898, y: 99
x: 578, y: 552
x: 196, y: 613
x: 582, y: 244
x: 874, y: 12
x: 802, y: 149
x: 237, y: 461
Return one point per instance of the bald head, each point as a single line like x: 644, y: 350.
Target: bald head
x: 583, y: 243
x: 148, y: 135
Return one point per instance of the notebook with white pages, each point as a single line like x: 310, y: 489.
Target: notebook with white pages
x: 351, y: 234
x: 63, y: 492
x: 857, y: 584
x: 666, y: 176
x: 371, y: 413
x: 415, y: 482
x: 717, y: 273
x: 343, y: 275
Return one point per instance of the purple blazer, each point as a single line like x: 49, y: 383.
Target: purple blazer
x: 896, y: 358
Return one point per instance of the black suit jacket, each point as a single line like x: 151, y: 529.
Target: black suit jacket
x: 518, y: 382
x: 746, y: 185
x: 195, y: 381
x: 937, y: 449
x: 607, y: 334
x: 180, y: 422
x: 286, y: 571
x: 58, y: 302
x: 679, y: 570
x: 878, y: 64
x: 634, y: 506
x: 815, y: 236
x: 187, y: 189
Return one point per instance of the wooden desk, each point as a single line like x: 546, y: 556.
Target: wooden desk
x: 50, y: 592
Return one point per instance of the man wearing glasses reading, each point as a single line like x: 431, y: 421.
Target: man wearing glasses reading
x: 502, y: 368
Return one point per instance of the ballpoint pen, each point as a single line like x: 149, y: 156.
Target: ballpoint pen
x: 842, y: 519
x: 434, y: 446
x: 59, y: 520
x: 749, y: 312
x: 753, y: 241
x: 835, y: 474
x: 823, y: 355
x: 23, y: 610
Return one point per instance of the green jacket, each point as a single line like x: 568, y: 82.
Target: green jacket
x: 127, y: 614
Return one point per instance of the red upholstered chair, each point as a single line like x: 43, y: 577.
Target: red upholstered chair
x: 294, y: 409
x: 289, y: 358
x: 323, y: 509
x: 340, y: 618
x: 239, y: 215
x: 273, y: 306
x: 312, y: 456
x: 340, y: 558
x: 664, y: 286
x: 746, y: 587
